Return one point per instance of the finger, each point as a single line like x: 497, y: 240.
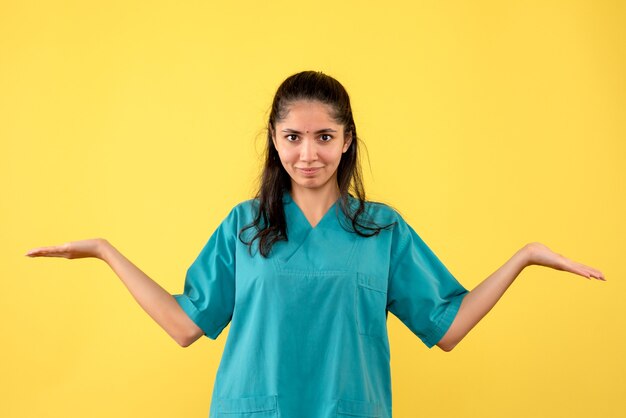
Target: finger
x: 38, y: 250
x: 581, y: 272
x: 35, y: 251
x: 597, y: 274
x: 44, y: 251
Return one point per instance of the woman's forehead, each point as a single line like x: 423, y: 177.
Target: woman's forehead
x: 308, y: 112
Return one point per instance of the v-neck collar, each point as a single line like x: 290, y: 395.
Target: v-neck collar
x: 297, y: 211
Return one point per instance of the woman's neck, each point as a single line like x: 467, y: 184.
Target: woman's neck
x: 314, y: 203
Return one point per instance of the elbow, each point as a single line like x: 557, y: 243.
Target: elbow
x: 183, y: 342
x: 188, y: 338
x: 447, y: 348
x: 447, y: 345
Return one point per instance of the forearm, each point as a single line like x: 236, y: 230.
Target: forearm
x: 479, y: 301
x: 156, y: 301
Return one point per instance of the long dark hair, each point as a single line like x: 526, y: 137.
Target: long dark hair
x: 269, y: 222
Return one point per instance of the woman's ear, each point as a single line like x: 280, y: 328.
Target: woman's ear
x: 273, y: 134
x: 347, y: 140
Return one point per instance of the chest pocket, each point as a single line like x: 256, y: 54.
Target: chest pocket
x: 252, y: 407
x: 371, y: 305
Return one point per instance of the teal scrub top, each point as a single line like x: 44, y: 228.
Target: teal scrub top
x: 308, y: 324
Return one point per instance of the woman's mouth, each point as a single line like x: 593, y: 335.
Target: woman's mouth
x: 309, y: 171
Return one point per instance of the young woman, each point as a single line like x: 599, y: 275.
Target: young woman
x: 306, y: 272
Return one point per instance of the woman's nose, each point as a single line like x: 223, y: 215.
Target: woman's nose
x: 308, y: 151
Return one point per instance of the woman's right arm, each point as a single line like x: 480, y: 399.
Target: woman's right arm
x: 155, y: 300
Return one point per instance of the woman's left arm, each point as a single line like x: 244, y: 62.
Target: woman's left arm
x: 483, y: 297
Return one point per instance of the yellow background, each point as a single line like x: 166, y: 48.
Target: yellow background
x: 488, y: 124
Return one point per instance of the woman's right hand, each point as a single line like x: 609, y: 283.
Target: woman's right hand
x: 155, y: 300
x: 75, y: 249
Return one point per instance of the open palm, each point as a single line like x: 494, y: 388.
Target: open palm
x: 75, y: 249
x: 541, y: 255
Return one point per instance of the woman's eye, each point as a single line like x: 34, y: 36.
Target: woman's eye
x: 326, y: 137
x: 291, y: 135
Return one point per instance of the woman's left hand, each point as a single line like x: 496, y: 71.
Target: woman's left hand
x: 539, y: 254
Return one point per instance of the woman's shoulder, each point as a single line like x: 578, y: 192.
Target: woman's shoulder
x: 246, y: 204
x: 245, y: 209
x: 382, y: 212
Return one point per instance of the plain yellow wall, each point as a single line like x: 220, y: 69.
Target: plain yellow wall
x: 488, y: 124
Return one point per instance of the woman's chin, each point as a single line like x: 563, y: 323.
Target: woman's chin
x: 310, y: 183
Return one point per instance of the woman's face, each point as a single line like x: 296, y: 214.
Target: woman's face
x: 310, y: 145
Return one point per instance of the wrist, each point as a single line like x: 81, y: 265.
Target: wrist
x: 103, y: 249
x: 525, y: 255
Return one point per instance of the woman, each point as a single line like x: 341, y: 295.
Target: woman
x: 307, y: 271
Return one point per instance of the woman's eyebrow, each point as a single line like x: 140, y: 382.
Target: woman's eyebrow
x: 293, y: 131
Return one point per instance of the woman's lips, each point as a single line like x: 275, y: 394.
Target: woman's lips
x: 309, y: 171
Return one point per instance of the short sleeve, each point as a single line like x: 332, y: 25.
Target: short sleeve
x: 422, y: 293
x: 209, y: 292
